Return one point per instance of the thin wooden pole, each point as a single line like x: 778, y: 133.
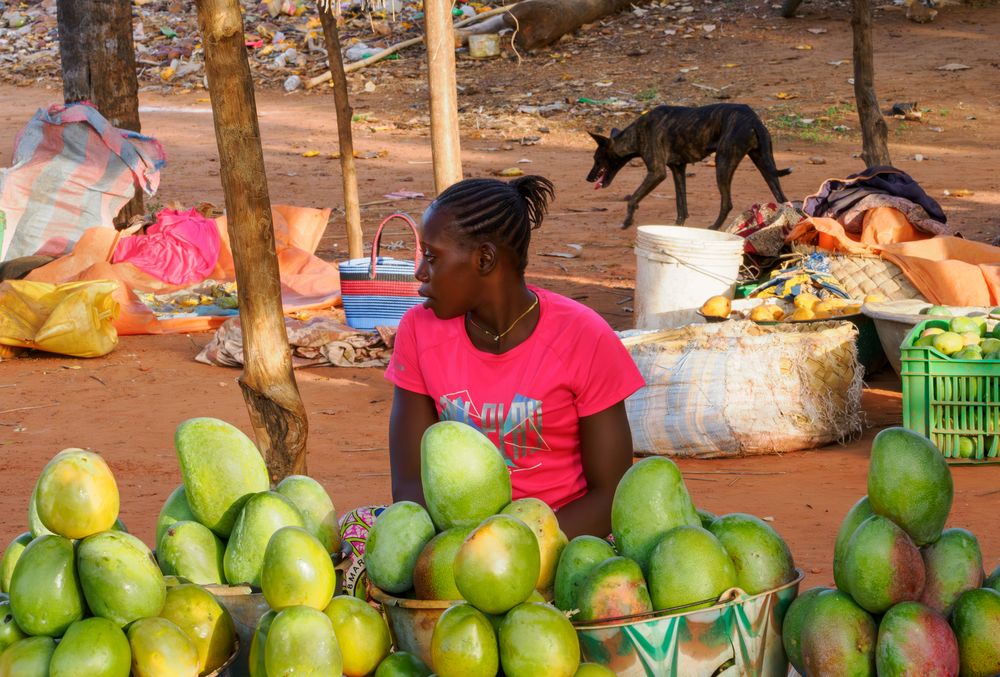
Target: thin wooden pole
x: 874, y: 133
x: 342, y: 102
x: 268, y: 382
x: 446, y: 150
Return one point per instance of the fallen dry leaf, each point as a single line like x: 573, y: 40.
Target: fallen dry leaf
x: 510, y: 171
x: 310, y: 153
x: 954, y: 67
x: 785, y: 95
x: 959, y: 192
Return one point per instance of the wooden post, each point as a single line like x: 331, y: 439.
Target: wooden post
x: 268, y: 382
x: 342, y: 102
x: 874, y: 133
x: 446, y: 149
x: 98, y: 64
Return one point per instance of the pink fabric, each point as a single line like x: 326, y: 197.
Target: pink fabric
x: 572, y: 365
x: 180, y: 248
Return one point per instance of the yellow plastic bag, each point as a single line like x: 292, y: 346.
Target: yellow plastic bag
x: 75, y: 318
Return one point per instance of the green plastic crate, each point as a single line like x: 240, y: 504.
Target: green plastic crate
x: 947, y: 399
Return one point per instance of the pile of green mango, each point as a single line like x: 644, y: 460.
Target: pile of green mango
x: 499, y: 560
x: 84, y: 597
x: 911, y: 597
x: 962, y: 337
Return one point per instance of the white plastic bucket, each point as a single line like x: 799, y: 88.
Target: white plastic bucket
x: 678, y: 268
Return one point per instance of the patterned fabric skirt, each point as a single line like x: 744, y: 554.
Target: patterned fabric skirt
x: 354, y: 528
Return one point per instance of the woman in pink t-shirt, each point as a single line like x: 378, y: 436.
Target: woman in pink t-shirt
x: 544, y: 377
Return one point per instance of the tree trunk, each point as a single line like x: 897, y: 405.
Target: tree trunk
x: 446, y: 150
x: 342, y: 102
x: 874, y: 133
x: 268, y: 382
x: 98, y: 64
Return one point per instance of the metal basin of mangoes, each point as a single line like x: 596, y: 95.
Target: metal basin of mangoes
x: 805, y: 307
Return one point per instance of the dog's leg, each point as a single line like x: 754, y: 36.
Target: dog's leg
x: 680, y: 192
x: 764, y: 168
x: 654, y: 177
x: 725, y: 167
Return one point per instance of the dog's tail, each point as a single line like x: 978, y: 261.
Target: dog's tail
x: 766, y: 150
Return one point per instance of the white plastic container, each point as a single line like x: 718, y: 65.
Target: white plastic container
x: 678, y: 269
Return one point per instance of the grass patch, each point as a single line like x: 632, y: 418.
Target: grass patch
x: 648, y: 94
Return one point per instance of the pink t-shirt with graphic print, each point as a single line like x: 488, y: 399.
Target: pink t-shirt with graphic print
x: 528, y: 400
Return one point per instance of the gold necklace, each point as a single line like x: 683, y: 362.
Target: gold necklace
x: 496, y: 337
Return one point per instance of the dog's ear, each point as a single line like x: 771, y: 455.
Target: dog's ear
x: 601, y: 140
x: 615, y: 132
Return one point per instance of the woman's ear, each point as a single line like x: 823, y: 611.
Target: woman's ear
x: 486, y: 258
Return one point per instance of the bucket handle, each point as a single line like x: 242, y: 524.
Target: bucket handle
x: 693, y: 267
x: 376, y: 244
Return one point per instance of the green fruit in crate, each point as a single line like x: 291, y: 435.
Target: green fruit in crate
x: 317, y: 509
x: 160, y: 648
x: 120, y: 577
x: 45, y: 593
x: 861, y: 511
x: 29, y: 657
x: 650, y: 500
x: 971, y: 338
x: 948, y: 343
x: 915, y: 640
x: 975, y: 619
x: 966, y: 447
x: 175, y: 509
x: 434, y: 572
x: 76, y: 494
x: 394, y: 544
x: 910, y: 483
x: 205, y: 621
x: 689, y: 568
x: 925, y: 341
x: 706, y: 517
x: 551, y: 540
x: 761, y: 557
x: 221, y: 468
x: 969, y: 353
x: 95, y: 647
x: 838, y: 637
x: 297, y: 570
x: 882, y: 566
x: 578, y: 559
x: 931, y: 331
x: 9, y: 630
x: 301, y: 641
x: 402, y: 664
x: 593, y: 670
x: 995, y: 333
x: 464, y: 644
x: 952, y: 565
x: 963, y: 324
x: 993, y: 580
x: 990, y: 345
x: 612, y: 589
x: 497, y: 566
x: 255, y: 661
x: 260, y: 518
x: 10, y: 557
x: 465, y: 478
x: 361, y: 633
x: 794, y: 622
x: 192, y: 551
x: 537, y: 639
x: 940, y: 311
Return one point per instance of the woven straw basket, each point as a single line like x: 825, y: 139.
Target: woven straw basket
x: 736, y: 388
x: 861, y: 275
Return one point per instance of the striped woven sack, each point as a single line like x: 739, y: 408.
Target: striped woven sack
x: 377, y: 290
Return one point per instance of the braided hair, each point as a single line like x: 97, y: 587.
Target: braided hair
x: 504, y: 212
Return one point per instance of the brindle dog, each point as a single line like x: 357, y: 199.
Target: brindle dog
x: 673, y: 136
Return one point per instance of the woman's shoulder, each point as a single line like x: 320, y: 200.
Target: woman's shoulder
x: 424, y: 326
x: 563, y: 309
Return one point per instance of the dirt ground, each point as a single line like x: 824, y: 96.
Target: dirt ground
x: 127, y: 404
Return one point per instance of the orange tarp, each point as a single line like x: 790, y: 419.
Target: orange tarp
x: 947, y: 270
x: 307, y: 282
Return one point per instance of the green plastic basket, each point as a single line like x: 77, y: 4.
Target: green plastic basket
x: 949, y: 400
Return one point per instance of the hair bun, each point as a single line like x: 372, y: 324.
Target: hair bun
x: 537, y: 191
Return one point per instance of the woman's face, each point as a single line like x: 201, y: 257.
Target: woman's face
x: 448, y: 271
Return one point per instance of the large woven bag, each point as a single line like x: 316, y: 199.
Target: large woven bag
x: 861, y: 274
x: 377, y: 290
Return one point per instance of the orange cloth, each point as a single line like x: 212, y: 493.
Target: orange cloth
x: 947, y: 270
x: 307, y: 282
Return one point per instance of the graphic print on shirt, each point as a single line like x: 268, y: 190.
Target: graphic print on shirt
x: 516, y: 429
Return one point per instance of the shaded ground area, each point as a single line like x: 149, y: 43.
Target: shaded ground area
x: 127, y: 405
